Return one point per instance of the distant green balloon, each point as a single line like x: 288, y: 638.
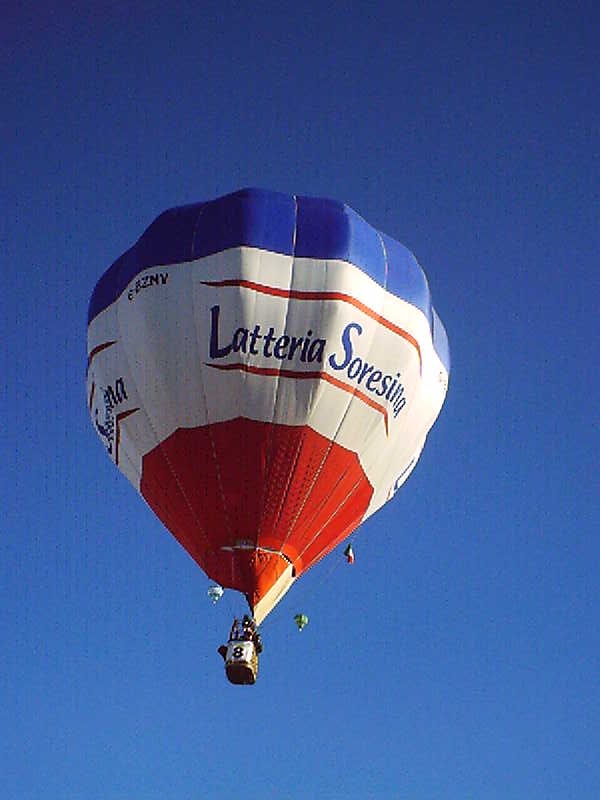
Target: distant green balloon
x: 301, y: 621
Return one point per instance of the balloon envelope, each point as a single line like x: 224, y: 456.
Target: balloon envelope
x: 215, y: 593
x: 301, y: 621
x: 264, y: 368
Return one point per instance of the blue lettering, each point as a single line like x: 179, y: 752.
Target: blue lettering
x: 355, y: 368
x: 253, y: 337
x: 373, y: 379
x: 316, y: 350
x: 384, y: 385
x: 281, y: 346
x: 305, y: 345
x: 269, y: 339
x: 347, y: 345
x: 215, y: 351
x: 305, y: 349
x: 365, y: 371
x: 240, y: 340
x: 294, y: 345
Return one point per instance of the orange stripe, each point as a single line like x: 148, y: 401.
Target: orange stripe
x: 290, y: 373
x: 297, y: 294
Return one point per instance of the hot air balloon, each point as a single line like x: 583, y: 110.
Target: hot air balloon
x: 215, y: 593
x: 301, y: 621
x: 264, y: 369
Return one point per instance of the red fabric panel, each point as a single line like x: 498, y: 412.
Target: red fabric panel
x: 241, y: 484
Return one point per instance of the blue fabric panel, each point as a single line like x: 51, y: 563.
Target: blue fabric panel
x: 440, y: 340
x: 252, y: 217
x: 166, y: 241
x: 328, y: 229
x: 406, y: 279
x: 305, y: 226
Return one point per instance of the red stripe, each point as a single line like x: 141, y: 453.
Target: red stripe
x: 118, y: 420
x: 98, y: 349
x: 290, y: 373
x: 297, y: 294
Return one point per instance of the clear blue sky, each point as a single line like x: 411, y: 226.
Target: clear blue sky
x: 460, y: 656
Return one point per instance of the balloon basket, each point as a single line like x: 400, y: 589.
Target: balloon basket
x: 241, y: 663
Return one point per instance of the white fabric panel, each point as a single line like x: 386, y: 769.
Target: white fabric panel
x: 161, y: 360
